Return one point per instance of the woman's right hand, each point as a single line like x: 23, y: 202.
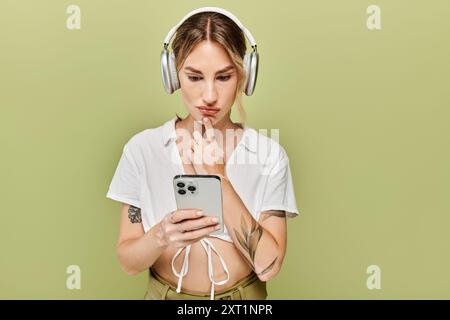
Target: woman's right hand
x: 182, y: 227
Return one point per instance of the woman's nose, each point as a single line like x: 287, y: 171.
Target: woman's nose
x: 210, y: 93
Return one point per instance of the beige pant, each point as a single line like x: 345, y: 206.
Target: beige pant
x: 249, y: 288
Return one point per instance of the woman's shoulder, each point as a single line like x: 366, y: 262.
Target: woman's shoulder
x: 147, y: 138
x: 267, y: 144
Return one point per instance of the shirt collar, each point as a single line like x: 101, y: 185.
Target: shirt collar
x: 168, y: 131
x: 249, y: 139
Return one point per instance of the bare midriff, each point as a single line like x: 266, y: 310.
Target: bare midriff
x: 197, y: 279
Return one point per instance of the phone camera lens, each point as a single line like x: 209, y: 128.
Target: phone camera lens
x: 180, y: 184
x: 181, y: 191
x: 191, y: 188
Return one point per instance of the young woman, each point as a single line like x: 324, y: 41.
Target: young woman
x: 208, y: 54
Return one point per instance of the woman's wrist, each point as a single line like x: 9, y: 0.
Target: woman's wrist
x: 157, y: 234
x: 223, y: 177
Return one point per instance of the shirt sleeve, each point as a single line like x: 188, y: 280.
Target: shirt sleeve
x: 125, y: 184
x: 278, y: 193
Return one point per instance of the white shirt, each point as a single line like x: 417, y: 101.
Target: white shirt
x: 258, y: 170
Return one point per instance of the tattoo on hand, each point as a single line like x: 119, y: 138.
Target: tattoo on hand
x: 134, y: 214
x: 249, y: 239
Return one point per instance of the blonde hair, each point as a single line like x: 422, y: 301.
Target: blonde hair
x: 213, y: 26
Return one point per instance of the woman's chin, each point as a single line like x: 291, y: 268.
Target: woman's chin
x: 212, y: 118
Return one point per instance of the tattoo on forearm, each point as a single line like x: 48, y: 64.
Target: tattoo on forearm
x: 248, y: 239
x: 276, y: 213
x: 134, y: 214
x: 269, y: 267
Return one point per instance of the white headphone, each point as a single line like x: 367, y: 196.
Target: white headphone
x: 169, y: 71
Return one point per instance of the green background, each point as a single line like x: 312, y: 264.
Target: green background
x: 364, y: 116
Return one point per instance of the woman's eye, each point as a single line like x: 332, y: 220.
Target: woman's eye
x: 194, y: 78
x: 224, y: 78
x: 221, y: 78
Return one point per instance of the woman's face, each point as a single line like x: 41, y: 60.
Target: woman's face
x: 208, y: 78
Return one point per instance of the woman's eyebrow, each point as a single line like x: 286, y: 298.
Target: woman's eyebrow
x: 198, y: 71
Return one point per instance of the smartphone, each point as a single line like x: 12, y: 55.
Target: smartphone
x: 200, y: 191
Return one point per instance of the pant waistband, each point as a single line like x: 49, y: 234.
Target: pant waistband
x: 249, y: 279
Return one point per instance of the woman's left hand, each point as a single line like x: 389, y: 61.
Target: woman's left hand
x: 206, y: 156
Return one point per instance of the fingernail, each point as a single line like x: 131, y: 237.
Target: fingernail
x: 199, y: 213
x: 215, y: 220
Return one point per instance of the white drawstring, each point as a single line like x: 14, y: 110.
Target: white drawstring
x: 208, y: 248
x: 184, y: 269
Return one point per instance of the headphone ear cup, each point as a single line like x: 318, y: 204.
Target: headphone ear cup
x: 173, y: 72
x: 251, y: 69
x: 165, y: 74
x: 247, y: 70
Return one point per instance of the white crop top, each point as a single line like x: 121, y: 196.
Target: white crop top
x: 258, y: 169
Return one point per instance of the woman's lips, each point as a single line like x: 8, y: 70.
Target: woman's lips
x: 209, y: 112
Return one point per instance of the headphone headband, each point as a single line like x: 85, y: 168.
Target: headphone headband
x: 211, y: 9
x: 168, y: 64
